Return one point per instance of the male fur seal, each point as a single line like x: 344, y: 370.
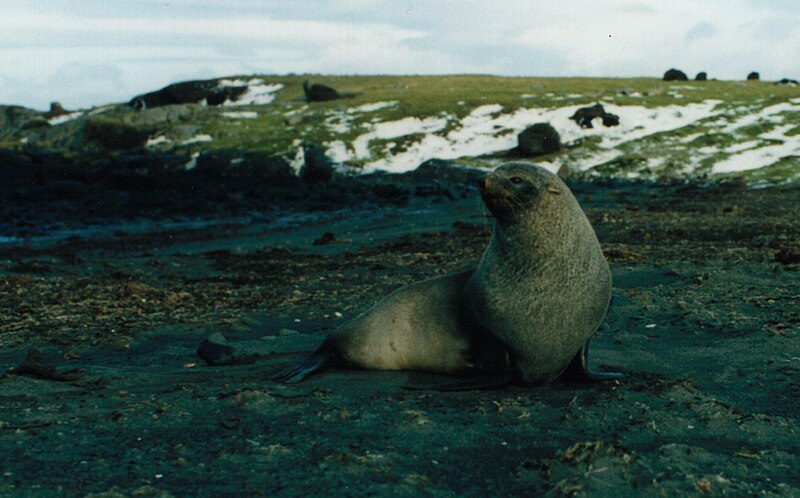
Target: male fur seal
x: 523, y: 315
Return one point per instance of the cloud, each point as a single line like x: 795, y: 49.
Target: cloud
x: 700, y: 31
x: 141, y: 45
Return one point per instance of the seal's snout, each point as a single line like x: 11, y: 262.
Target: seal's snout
x: 489, y: 184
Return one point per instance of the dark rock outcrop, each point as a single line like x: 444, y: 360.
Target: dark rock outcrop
x: 754, y: 76
x: 239, y: 167
x: 440, y: 170
x: 787, y: 82
x: 585, y: 115
x: 56, y: 109
x: 16, y: 170
x: 319, y: 93
x: 188, y: 92
x: 538, y: 139
x: 116, y: 135
x: 701, y: 76
x: 675, y: 75
x: 21, y: 118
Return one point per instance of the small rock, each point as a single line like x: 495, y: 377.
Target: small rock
x: 325, y: 239
x: 214, y: 350
x: 788, y: 256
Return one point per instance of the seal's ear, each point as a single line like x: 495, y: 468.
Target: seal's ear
x: 553, y: 190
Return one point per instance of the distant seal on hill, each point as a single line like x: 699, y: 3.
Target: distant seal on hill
x: 523, y: 315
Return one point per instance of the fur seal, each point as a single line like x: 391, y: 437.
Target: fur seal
x: 524, y: 314
x: 543, y: 285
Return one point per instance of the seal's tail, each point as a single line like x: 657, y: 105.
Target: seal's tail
x: 324, y: 356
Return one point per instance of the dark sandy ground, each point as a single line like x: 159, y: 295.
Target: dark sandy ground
x: 705, y: 319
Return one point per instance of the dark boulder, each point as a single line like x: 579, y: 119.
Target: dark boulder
x: 585, y: 115
x: 188, y: 92
x: 319, y: 93
x: 701, y: 76
x: 538, y: 139
x: 675, y: 75
x: 754, y: 76
x: 787, y: 82
x: 116, y: 135
x: 56, y: 109
x: 610, y: 119
x: 317, y: 167
x: 268, y: 168
x: 16, y: 170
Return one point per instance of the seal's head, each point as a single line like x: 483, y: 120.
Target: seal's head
x: 514, y: 190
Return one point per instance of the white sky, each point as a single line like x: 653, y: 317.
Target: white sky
x: 91, y: 52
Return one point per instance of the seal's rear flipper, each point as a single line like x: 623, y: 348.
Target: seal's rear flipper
x: 475, y: 381
x: 578, y: 369
x: 324, y: 356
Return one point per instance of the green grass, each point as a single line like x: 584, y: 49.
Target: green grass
x: 456, y: 96
x: 426, y: 96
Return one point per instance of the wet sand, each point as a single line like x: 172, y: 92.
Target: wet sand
x: 705, y: 320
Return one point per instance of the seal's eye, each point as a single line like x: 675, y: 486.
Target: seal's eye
x: 516, y: 180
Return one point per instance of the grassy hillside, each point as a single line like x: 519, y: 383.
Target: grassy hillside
x: 668, y: 129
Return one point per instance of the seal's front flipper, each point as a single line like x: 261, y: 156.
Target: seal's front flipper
x: 324, y: 356
x: 473, y: 382
x: 578, y: 369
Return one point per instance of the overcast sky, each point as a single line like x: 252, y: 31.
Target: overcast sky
x: 91, y: 52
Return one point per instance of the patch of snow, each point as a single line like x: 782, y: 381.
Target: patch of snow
x: 484, y: 131
x: 375, y: 106
x: 637, y: 122
x: 192, y: 164
x: 394, y: 129
x: 152, y: 142
x: 298, y: 160
x: 772, y: 114
x: 257, y: 93
x: 733, y: 149
x: 760, y: 157
x: 488, y: 130
x: 64, y: 118
x: 690, y: 138
x: 295, y: 111
x: 197, y: 139
x: 101, y: 109
x: 239, y: 82
x: 337, y: 151
x: 486, y: 110
x: 338, y: 124
x: 597, y: 159
x: 552, y: 167
x: 241, y: 115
